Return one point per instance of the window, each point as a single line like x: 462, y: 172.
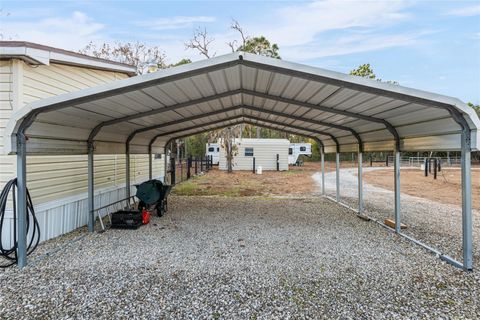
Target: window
x: 211, y: 149
x: 218, y: 149
x: 248, y: 152
x: 158, y: 156
x: 303, y: 148
x: 290, y: 151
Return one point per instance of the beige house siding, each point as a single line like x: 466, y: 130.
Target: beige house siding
x: 52, y: 177
x: 9, y: 98
x: 41, y: 82
x: 58, y: 184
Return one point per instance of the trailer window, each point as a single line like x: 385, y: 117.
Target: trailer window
x: 211, y: 149
x: 248, y: 152
x: 218, y: 149
x: 303, y: 148
x: 290, y: 151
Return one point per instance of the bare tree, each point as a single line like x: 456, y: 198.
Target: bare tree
x: 235, y: 25
x: 201, y: 42
x: 136, y: 54
x: 226, y: 139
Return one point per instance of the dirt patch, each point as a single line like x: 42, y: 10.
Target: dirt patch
x: 295, y: 181
x: 446, y: 189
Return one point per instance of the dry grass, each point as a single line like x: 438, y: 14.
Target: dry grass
x: 296, y: 181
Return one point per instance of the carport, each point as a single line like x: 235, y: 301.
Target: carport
x: 143, y: 114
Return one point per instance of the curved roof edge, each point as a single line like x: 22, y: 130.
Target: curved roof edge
x: 249, y: 60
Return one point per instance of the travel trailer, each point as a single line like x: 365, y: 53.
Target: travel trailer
x: 213, y: 149
x: 296, y: 150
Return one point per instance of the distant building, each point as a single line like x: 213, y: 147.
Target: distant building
x: 265, y: 151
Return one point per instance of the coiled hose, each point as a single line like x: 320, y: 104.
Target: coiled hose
x: 33, y: 228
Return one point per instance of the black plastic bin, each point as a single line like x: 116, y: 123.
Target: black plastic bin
x: 126, y: 219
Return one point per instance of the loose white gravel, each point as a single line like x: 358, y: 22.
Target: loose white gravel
x: 435, y: 224
x: 240, y: 258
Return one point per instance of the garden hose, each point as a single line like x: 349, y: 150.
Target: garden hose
x: 33, y: 228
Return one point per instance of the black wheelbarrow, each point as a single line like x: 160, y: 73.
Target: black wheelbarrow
x: 153, y: 196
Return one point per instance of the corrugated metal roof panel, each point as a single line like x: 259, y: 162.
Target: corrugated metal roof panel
x: 187, y: 98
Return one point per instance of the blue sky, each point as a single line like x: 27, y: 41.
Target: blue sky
x: 429, y: 45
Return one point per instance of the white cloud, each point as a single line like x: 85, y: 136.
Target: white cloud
x: 466, y: 11
x: 305, y: 31
x: 178, y: 22
x: 300, y: 24
x: 348, y: 45
x: 72, y: 32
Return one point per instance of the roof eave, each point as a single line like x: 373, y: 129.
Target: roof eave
x: 43, y: 55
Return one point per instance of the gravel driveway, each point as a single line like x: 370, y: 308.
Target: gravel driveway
x: 240, y: 258
x: 436, y: 224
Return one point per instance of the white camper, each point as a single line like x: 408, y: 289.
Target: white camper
x: 213, y: 149
x: 265, y: 152
x: 296, y: 150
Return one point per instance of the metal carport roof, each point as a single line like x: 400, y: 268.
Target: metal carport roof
x: 344, y: 113
x: 334, y: 107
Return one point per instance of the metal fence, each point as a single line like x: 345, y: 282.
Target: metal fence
x: 180, y: 170
x: 419, y: 161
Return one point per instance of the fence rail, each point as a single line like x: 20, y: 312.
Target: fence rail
x: 419, y: 161
x: 181, y: 170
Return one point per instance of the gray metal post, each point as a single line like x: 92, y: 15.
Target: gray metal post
x: 150, y: 166
x: 397, y: 191
x: 337, y: 177
x: 360, y: 183
x: 165, y: 168
x: 467, y: 239
x: 22, y: 199
x: 322, y: 153
x: 127, y: 170
x: 91, y: 203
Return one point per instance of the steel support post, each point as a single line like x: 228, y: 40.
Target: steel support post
x: 397, y: 191
x: 360, y: 183
x: 322, y: 154
x: 467, y: 238
x: 165, y: 165
x: 337, y: 176
x: 150, y: 165
x: 22, y: 200
x: 91, y: 195
x: 127, y: 170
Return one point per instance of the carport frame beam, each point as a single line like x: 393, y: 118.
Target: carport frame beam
x: 397, y: 191
x: 360, y: 182
x: 467, y: 232
x: 127, y: 169
x: 322, y: 155
x: 22, y: 200
x: 91, y: 189
x: 337, y: 175
x: 150, y: 165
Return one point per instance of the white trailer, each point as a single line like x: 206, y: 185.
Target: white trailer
x: 213, y: 149
x: 296, y: 150
x: 265, y: 152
